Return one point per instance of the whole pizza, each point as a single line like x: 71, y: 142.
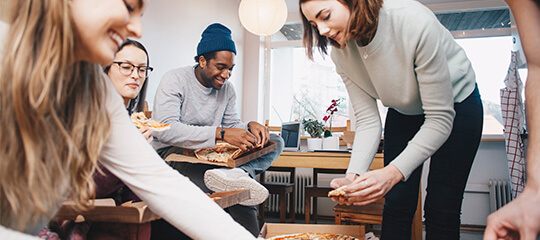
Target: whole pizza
x: 318, y: 236
x: 221, y: 153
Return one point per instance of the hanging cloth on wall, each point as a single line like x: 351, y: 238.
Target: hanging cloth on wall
x: 513, y: 115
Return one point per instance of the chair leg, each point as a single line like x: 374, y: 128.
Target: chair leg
x: 307, y: 208
x: 292, y: 207
x: 315, y: 209
x: 416, y: 233
x: 261, y: 208
x: 338, y: 218
x: 282, y: 207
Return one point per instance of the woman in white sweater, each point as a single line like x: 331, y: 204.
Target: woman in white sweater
x: 60, y: 115
x: 399, y: 53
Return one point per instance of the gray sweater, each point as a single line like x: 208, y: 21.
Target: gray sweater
x: 193, y: 110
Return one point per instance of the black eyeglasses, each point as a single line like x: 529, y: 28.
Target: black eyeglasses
x: 126, y: 69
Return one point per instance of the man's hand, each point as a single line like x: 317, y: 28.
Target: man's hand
x: 238, y: 137
x: 260, y: 132
x: 519, y: 219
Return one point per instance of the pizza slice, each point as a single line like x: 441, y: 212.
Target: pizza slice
x: 338, y: 192
x: 140, y: 120
x: 157, y: 126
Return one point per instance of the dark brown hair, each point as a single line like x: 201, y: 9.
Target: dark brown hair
x: 362, y: 25
x: 137, y: 104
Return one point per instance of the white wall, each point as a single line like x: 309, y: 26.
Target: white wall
x: 172, y: 30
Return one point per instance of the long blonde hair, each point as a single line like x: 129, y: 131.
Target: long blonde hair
x: 53, y: 117
x: 362, y: 25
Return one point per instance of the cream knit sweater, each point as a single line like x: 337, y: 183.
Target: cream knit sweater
x: 412, y: 65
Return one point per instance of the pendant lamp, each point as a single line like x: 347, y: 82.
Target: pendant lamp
x: 263, y: 17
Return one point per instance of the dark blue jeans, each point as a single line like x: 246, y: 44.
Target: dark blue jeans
x: 448, y: 173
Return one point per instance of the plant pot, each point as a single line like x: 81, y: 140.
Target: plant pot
x: 330, y: 143
x: 314, y: 144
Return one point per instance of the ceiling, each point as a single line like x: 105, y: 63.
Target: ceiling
x: 481, y: 18
x: 292, y: 5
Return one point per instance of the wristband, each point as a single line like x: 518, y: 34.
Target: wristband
x: 222, y: 132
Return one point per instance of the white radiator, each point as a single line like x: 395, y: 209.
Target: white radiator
x: 301, y: 182
x: 500, y: 193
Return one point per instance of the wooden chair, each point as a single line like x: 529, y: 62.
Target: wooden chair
x: 147, y: 112
x: 282, y: 190
x: 316, y: 190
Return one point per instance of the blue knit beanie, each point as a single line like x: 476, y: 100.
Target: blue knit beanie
x: 216, y: 37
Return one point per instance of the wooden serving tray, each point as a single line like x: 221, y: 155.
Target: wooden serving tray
x: 189, y: 156
x: 105, y: 210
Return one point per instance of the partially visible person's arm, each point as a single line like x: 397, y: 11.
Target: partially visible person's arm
x: 172, y: 196
x: 520, y: 219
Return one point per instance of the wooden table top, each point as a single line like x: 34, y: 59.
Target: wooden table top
x: 325, y: 160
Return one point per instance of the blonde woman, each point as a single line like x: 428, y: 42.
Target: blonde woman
x: 398, y: 52
x: 60, y: 115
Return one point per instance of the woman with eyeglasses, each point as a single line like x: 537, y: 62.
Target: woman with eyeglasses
x: 128, y: 72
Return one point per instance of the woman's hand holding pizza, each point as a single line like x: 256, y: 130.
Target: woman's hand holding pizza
x: 368, y: 187
x: 261, y: 133
x: 146, y: 132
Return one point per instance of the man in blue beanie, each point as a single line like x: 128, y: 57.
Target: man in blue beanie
x: 200, y: 105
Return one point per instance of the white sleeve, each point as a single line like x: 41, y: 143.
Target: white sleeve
x: 6, y: 233
x: 172, y: 196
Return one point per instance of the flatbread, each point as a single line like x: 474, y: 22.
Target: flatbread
x: 222, y: 153
x: 140, y: 120
x: 318, y: 236
x: 338, y: 192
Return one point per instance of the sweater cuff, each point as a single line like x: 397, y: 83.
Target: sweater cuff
x: 408, y: 161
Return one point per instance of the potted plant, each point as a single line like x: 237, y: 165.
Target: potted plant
x: 330, y: 142
x: 315, y: 129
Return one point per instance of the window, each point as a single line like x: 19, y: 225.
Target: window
x: 490, y: 58
x: 303, y: 89
x: 300, y: 88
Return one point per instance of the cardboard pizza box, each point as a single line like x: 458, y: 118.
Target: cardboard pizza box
x: 189, y: 156
x: 105, y: 210
x: 276, y: 229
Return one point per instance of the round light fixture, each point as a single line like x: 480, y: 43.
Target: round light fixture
x: 263, y: 17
